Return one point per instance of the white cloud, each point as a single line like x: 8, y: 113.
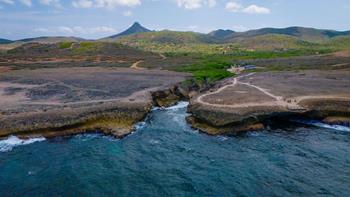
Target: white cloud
x: 12, y: 2
x: 233, y: 6
x: 195, y: 4
x: 76, y: 30
x: 26, y: 2
x: 7, y: 1
x: 65, y: 30
x: 82, y: 4
x: 127, y: 13
x: 211, y: 3
x: 115, y: 3
x: 254, y: 9
x: 55, y: 3
x: 109, y: 4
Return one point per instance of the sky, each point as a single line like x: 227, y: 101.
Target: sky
x: 93, y: 19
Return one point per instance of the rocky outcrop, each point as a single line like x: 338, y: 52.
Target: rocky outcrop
x: 63, y: 101
x: 251, y: 101
x: 116, y: 119
x: 181, y: 91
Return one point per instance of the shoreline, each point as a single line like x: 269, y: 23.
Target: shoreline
x: 117, y: 117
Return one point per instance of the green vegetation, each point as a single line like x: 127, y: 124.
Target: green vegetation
x: 209, y: 70
x: 213, y: 67
x: 206, y: 56
x: 65, y: 45
x: 87, y: 47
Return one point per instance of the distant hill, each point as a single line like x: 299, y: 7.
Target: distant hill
x: 272, y: 42
x: 134, y: 29
x: 165, y: 37
x: 221, y: 34
x: 67, y: 49
x: 53, y: 39
x: 302, y: 33
x: 5, y: 41
x: 138, y: 33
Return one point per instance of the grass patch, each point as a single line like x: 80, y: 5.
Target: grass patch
x: 87, y: 47
x: 65, y: 45
x: 208, y: 70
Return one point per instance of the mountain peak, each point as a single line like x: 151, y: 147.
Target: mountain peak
x: 136, y: 24
x: 221, y: 33
x: 134, y: 29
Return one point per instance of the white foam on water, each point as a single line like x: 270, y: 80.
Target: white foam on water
x: 179, y: 105
x: 156, y: 108
x: 323, y: 125
x: 13, y: 141
x: 222, y: 138
x: 139, y: 125
x: 335, y: 127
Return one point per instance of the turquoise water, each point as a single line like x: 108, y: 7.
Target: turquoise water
x: 165, y: 157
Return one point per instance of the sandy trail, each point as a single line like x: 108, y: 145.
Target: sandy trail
x: 136, y: 65
x: 162, y: 56
x: 292, y: 104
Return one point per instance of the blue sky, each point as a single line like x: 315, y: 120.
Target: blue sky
x: 100, y: 18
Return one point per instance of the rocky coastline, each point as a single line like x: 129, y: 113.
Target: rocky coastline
x: 250, y: 102
x: 111, y: 101
x: 231, y: 107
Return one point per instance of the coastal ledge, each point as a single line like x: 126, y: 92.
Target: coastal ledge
x: 50, y: 102
x: 250, y: 101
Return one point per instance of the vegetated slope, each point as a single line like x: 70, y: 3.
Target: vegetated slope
x: 166, y: 37
x: 340, y: 42
x: 134, y: 29
x: 5, y: 41
x: 271, y: 42
x: 306, y: 34
x: 167, y: 41
x: 220, y: 34
x: 67, y: 49
x: 75, y: 54
x: 48, y: 39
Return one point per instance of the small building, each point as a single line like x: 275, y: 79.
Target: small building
x: 249, y: 67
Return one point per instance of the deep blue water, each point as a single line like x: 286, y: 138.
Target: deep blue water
x: 165, y: 157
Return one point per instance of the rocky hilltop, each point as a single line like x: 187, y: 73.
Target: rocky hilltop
x: 249, y: 101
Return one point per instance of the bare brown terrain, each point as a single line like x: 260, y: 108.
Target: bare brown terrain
x: 338, y: 60
x: 61, y: 101
x: 250, y: 98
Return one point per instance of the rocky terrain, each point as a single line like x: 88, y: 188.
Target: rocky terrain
x: 249, y: 101
x: 63, y: 101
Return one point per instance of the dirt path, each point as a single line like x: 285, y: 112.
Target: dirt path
x: 278, y: 98
x: 279, y: 101
x: 136, y: 65
x: 162, y: 56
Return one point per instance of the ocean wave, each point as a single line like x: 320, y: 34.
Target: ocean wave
x: 179, y: 105
x: 13, y: 141
x: 324, y: 125
x: 139, y: 125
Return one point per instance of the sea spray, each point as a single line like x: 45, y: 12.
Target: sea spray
x: 13, y: 141
x: 179, y: 105
x: 323, y: 125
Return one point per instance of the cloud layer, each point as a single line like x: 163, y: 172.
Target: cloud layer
x: 233, y: 6
x: 76, y: 30
x: 109, y: 4
x: 195, y: 4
